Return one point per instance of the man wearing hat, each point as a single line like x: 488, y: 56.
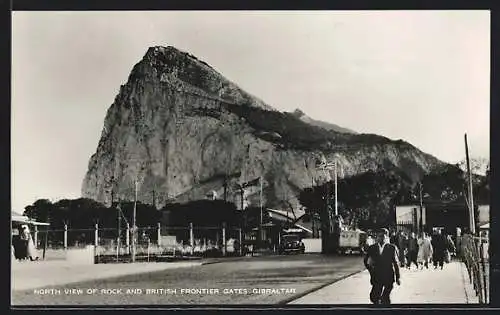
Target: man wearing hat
x: 382, y: 262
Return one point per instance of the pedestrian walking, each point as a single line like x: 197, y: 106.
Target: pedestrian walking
x: 424, y: 251
x: 412, y: 252
x: 369, y: 241
x: 402, y: 248
x: 382, y: 262
x: 451, y: 245
x: 439, y: 246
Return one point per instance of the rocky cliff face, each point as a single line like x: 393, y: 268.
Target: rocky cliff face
x: 181, y: 129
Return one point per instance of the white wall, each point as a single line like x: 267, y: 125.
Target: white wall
x: 312, y: 245
x: 84, y: 256
x: 71, y: 255
x: 484, y: 213
x: 405, y: 213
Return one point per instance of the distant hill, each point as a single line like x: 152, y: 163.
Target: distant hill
x: 325, y: 125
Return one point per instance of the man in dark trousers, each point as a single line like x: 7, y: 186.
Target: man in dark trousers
x: 439, y: 245
x: 412, y: 251
x: 383, y: 264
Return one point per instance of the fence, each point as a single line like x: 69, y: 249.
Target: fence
x: 151, y: 243
x: 52, y: 244
x: 474, y: 253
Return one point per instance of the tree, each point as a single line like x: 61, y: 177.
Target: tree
x: 478, y: 165
x: 251, y: 217
x: 40, y: 210
x: 315, y: 204
x: 207, y: 213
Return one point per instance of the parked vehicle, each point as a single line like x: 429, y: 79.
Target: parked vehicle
x: 353, y: 241
x: 291, y: 243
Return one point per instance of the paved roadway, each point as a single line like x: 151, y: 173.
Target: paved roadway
x: 237, y: 282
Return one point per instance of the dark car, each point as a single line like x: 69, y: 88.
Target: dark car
x: 291, y: 243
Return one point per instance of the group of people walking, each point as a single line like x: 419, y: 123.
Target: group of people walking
x: 384, y: 258
x: 423, y: 250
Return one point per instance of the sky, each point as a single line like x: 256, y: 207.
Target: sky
x: 420, y: 76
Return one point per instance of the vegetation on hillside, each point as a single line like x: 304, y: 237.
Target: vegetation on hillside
x: 298, y: 134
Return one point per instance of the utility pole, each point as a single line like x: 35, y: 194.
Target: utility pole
x: 242, y: 220
x: 242, y: 193
x: 261, y: 233
x: 471, y: 198
x: 336, y: 203
x: 421, y: 222
x: 154, y: 198
x: 118, y: 208
x: 324, y: 165
x: 225, y: 188
x: 134, y: 225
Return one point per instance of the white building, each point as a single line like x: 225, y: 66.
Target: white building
x: 408, y: 217
x: 483, y: 214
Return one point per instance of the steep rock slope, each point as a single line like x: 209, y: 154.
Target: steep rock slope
x: 181, y: 130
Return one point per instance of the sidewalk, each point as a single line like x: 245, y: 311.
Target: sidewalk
x: 448, y: 286
x: 43, y: 274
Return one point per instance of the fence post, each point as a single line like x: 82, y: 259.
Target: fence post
x: 127, y: 239
x: 224, y: 243
x: 96, y: 241
x: 65, y: 236
x: 191, y: 238
x: 240, y: 238
x: 148, y: 249
x: 159, y: 234
x: 118, y: 248
x: 485, y: 278
x: 35, y: 237
x: 96, y: 235
x: 45, y: 241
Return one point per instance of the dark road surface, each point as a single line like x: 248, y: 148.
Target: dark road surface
x: 246, y: 281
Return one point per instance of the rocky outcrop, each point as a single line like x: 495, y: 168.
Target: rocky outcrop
x: 177, y: 129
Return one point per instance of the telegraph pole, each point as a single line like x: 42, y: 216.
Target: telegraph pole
x: 154, y: 198
x: 118, y: 208
x: 134, y: 225
x: 336, y: 203
x: 261, y: 234
x: 242, y: 193
x: 471, y: 198
x: 225, y: 188
x: 421, y: 222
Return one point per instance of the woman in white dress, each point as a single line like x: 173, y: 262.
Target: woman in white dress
x: 31, y: 250
x: 424, y: 251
